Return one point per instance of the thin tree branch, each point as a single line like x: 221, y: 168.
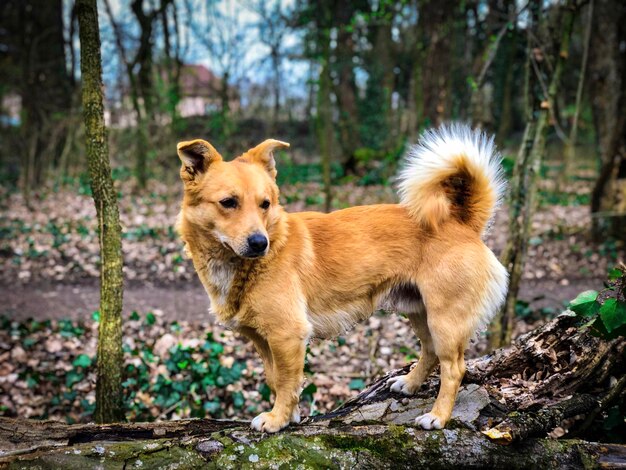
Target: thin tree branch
x: 493, y: 48
x: 117, y: 33
x: 557, y: 127
x: 581, y: 82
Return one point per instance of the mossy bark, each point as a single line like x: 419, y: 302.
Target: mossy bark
x: 110, y: 360
x: 324, y: 119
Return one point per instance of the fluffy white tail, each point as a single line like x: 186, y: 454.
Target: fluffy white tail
x: 453, y: 172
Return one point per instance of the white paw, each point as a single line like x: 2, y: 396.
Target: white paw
x: 428, y: 421
x: 257, y: 422
x: 399, y: 384
x: 295, y: 415
x: 266, y: 422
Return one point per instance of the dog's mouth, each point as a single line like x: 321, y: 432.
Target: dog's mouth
x: 225, y: 243
x: 246, y: 255
x: 252, y: 255
x: 231, y: 249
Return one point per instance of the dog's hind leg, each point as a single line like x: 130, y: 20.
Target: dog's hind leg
x: 459, y: 301
x: 410, y: 383
x: 450, y: 341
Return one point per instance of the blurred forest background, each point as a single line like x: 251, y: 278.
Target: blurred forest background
x: 350, y: 85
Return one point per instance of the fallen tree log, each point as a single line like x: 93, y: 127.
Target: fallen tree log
x: 313, y: 446
x: 549, y: 379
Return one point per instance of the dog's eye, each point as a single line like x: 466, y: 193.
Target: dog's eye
x: 265, y: 204
x: 229, y: 203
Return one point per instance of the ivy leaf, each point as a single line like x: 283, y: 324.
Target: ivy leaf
x: 309, y: 391
x: 265, y: 391
x: 212, y: 407
x: 615, y: 274
x: 613, y: 314
x: 585, y: 304
x: 356, y: 384
x: 72, y: 378
x: 238, y: 400
x: 82, y: 361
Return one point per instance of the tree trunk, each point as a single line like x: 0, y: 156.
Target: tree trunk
x: 346, y: 90
x: 506, y: 85
x: 110, y: 359
x: 142, y: 145
x: 436, y: 65
x: 324, y: 120
x: 412, y: 127
x: 607, y: 91
x: 144, y: 58
x: 415, y: 93
x: 515, y: 397
x: 172, y: 61
x: 383, y: 63
x: 144, y: 87
x: 482, y: 99
x: 33, y: 37
x: 276, y: 85
x: 569, y: 152
x: 522, y: 201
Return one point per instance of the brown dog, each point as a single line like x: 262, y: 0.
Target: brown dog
x: 280, y: 279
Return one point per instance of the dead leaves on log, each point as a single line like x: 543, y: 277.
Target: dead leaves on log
x: 543, y: 366
x: 519, y: 426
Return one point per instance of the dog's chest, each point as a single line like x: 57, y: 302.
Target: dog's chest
x: 221, y: 276
x: 218, y: 281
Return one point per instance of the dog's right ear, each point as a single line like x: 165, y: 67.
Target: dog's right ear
x: 196, y: 156
x: 263, y: 154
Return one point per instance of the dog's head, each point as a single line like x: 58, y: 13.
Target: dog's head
x: 236, y: 202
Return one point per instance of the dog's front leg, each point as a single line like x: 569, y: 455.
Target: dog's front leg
x: 263, y: 349
x: 288, y: 351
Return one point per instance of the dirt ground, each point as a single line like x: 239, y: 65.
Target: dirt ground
x: 188, y: 302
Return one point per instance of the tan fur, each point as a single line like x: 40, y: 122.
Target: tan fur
x: 324, y: 272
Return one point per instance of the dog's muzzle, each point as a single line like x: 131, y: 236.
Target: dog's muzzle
x: 257, y: 245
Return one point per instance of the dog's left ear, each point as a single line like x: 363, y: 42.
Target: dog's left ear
x: 263, y: 154
x: 196, y: 157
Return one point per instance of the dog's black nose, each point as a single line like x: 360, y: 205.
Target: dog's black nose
x: 257, y: 243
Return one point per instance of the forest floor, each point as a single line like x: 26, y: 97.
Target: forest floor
x: 49, y: 255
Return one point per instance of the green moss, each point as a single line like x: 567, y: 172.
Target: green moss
x: 135, y: 454
x: 280, y: 451
x: 554, y: 450
x: 389, y: 447
x: 360, y: 446
x: 432, y: 443
x: 587, y: 459
x: 397, y: 432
